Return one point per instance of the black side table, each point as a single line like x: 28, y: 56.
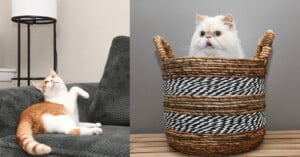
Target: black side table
x: 31, y: 20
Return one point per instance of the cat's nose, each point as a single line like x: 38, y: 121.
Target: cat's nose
x: 208, y: 37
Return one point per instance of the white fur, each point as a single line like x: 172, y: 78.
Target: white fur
x: 89, y: 125
x: 227, y: 45
x: 56, y: 92
x: 64, y: 124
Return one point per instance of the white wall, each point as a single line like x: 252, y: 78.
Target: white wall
x: 85, y: 30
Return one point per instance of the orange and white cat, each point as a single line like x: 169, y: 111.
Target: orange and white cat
x: 57, y: 114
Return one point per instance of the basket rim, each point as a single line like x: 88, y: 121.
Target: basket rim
x: 214, y: 59
x: 262, y: 53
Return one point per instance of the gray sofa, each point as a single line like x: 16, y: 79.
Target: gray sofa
x: 108, y: 104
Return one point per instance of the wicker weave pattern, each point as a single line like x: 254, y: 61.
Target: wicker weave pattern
x: 214, y: 106
x: 214, y: 144
x: 213, y: 67
x: 213, y: 86
x: 214, y: 124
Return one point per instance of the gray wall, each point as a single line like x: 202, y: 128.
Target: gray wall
x: 175, y: 20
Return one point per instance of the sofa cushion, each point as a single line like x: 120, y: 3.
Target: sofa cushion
x: 111, y: 103
x: 12, y: 102
x: 114, y: 142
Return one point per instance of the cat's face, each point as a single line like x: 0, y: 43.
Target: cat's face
x: 214, y: 33
x: 51, y: 85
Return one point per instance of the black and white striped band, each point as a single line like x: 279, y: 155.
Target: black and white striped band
x: 205, y: 86
x: 214, y: 124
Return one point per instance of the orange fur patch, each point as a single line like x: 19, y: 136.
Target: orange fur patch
x: 34, y: 148
x: 228, y: 20
x: 44, y: 86
x: 25, y: 144
x: 200, y: 18
x: 33, y: 116
x: 31, y: 121
x: 74, y: 131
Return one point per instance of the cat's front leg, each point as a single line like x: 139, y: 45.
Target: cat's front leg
x: 89, y: 125
x: 74, y: 91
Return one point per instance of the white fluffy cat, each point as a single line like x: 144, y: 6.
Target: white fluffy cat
x: 216, y: 37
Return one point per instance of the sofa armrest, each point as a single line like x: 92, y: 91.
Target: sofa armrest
x: 111, y: 105
x: 12, y: 102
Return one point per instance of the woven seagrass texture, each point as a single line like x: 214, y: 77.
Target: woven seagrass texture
x: 224, y: 105
x: 214, y: 106
x: 214, y: 144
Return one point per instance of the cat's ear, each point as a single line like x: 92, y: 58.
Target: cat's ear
x: 52, y: 72
x: 200, y: 18
x: 38, y: 85
x: 228, y: 20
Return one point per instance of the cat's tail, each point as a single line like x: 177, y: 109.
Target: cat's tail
x: 27, y: 142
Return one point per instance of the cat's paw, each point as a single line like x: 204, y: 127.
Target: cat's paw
x: 85, y: 95
x: 98, y: 125
x: 97, y: 131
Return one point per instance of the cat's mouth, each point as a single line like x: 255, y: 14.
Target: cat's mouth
x: 208, y: 45
x: 53, y: 83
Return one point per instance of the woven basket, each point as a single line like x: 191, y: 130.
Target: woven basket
x: 214, y: 106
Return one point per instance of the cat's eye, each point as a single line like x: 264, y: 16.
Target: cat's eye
x: 202, y: 33
x: 218, y: 33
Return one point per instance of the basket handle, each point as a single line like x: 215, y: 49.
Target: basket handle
x: 163, y: 48
x: 264, y: 46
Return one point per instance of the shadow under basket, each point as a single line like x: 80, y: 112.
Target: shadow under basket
x: 214, y: 106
